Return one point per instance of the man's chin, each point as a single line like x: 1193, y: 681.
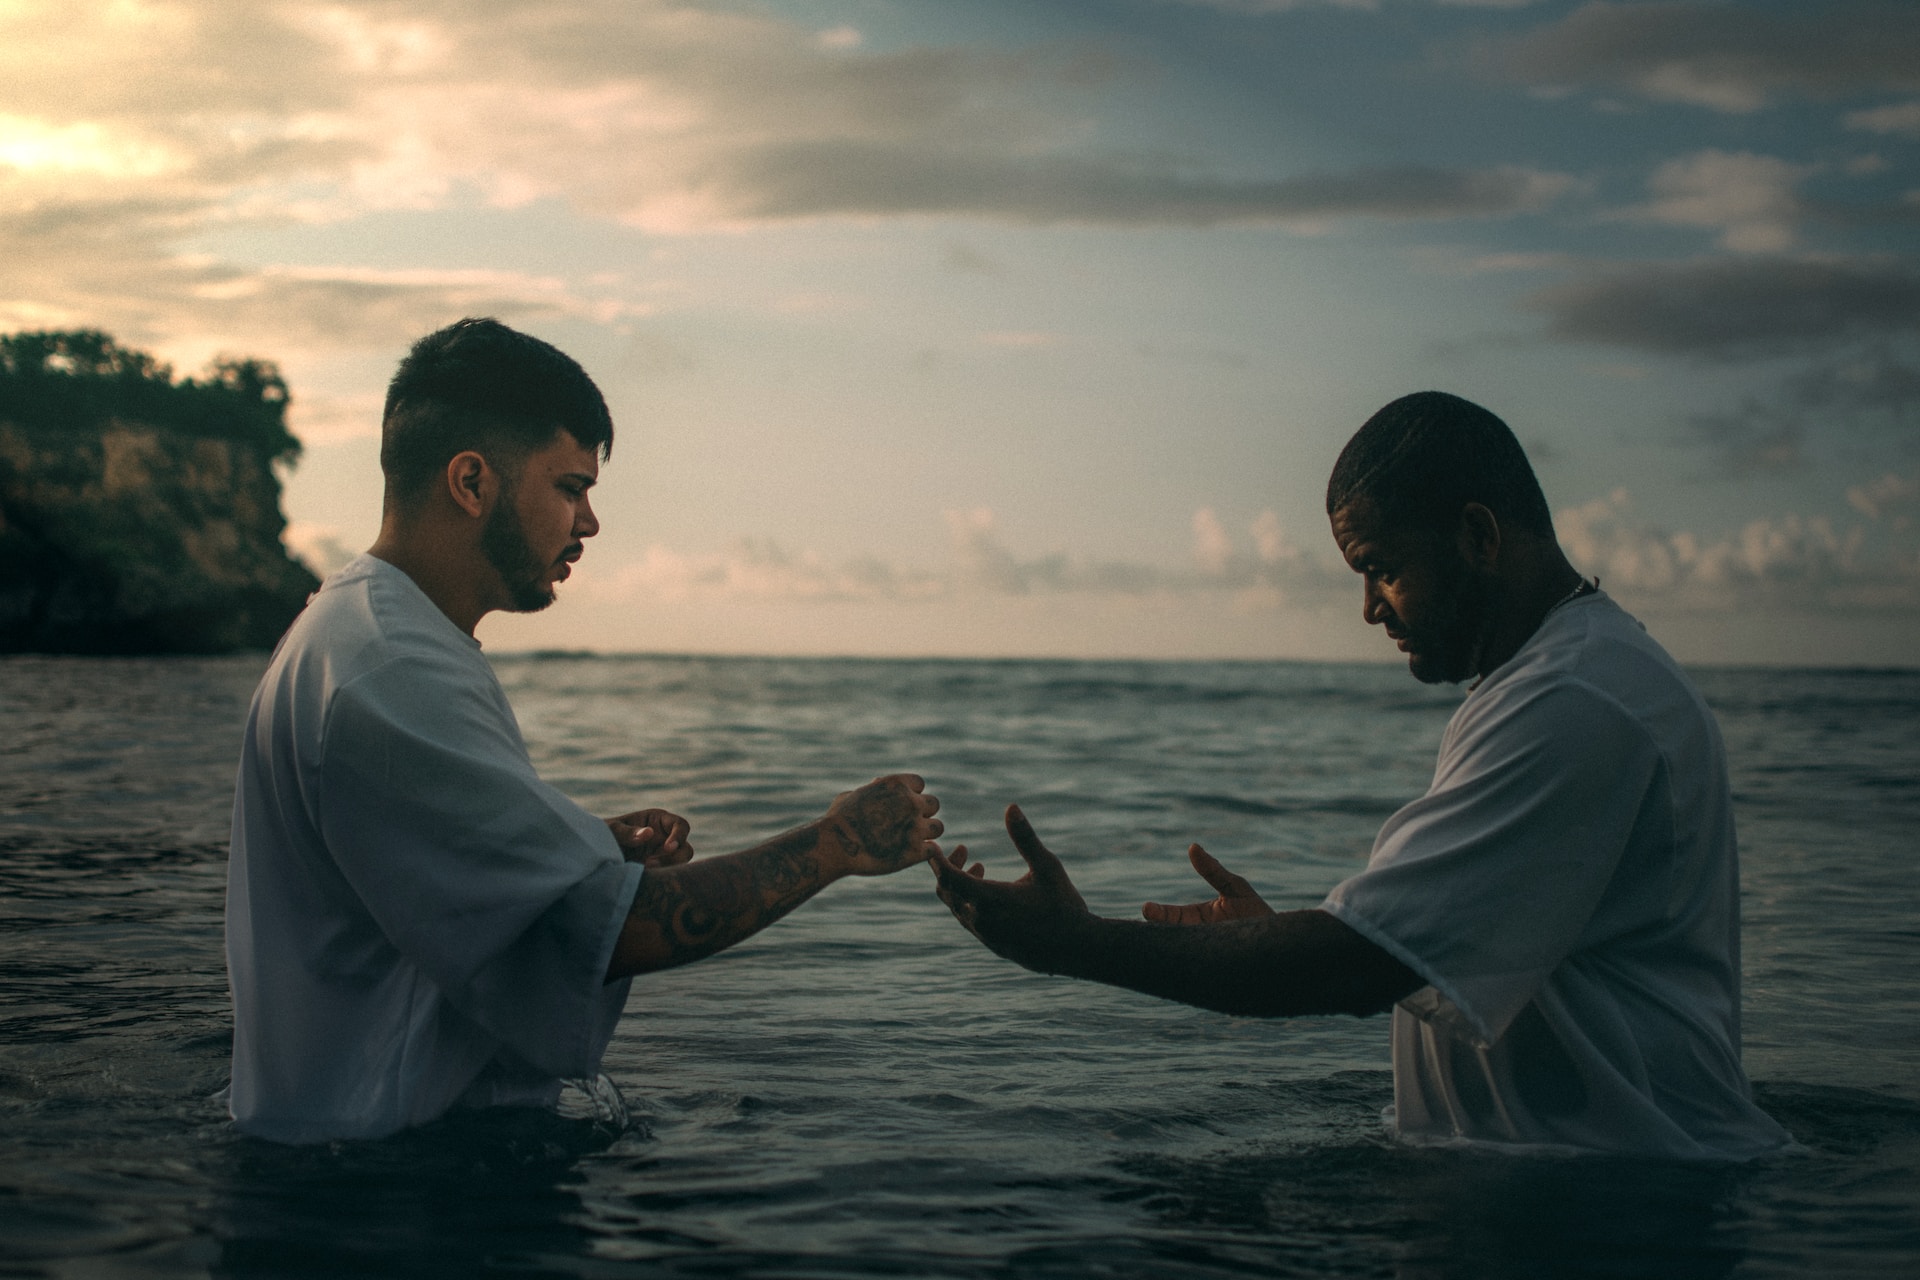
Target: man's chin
x: 532, y: 599
x: 1424, y: 670
x: 1430, y: 668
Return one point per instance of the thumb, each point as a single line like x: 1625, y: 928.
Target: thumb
x: 1210, y: 870
x: 1046, y: 868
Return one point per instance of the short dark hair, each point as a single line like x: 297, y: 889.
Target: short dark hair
x: 1422, y: 458
x: 477, y: 384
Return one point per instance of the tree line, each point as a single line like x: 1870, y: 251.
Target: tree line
x: 76, y: 381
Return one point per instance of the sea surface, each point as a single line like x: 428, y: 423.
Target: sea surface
x: 862, y: 1090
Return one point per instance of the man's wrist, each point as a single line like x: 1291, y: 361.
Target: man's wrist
x: 835, y: 846
x: 1069, y: 945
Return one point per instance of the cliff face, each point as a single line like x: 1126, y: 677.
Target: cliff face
x: 139, y: 514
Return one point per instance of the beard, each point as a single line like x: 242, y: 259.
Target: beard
x: 504, y: 543
x: 1446, y: 648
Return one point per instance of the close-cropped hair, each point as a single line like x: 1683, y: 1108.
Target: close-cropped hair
x: 480, y: 385
x: 1424, y: 457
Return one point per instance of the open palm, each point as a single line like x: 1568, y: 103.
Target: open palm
x: 1237, y: 900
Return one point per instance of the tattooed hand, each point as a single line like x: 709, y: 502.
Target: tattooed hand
x: 652, y: 837
x: 884, y: 826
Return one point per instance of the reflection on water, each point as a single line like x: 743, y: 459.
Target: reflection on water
x: 862, y: 1091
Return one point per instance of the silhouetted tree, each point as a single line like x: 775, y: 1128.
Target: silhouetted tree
x: 78, y: 380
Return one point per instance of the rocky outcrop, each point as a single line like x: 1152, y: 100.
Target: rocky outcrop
x: 140, y: 514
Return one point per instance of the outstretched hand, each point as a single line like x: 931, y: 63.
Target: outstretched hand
x: 886, y: 825
x: 1028, y: 921
x: 1237, y: 900
x: 652, y: 837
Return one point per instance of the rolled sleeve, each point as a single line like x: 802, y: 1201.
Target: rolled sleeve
x: 1485, y: 884
x: 505, y: 894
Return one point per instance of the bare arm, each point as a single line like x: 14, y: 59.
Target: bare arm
x: 687, y: 912
x: 1290, y: 963
x: 1266, y: 965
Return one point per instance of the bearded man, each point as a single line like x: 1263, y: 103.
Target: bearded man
x: 1556, y: 923
x: 415, y: 921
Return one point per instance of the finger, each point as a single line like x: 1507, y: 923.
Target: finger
x: 677, y: 834
x: 935, y: 827
x: 1045, y: 866
x: 929, y: 805
x: 945, y: 876
x: 966, y: 883
x: 913, y: 781
x: 1229, y: 884
x: 642, y: 835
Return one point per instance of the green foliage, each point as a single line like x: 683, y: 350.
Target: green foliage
x: 74, y: 382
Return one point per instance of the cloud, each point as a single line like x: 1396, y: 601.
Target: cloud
x: 1756, y: 436
x: 1748, y: 198
x: 1725, y: 57
x: 127, y: 131
x: 112, y: 265
x: 1788, y: 562
x: 1901, y: 118
x: 839, y: 176
x: 984, y: 562
x: 758, y: 568
x: 1850, y: 324
x: 1282, y: 6
x: 1887, y: 498
x: 1260, y: 569
x: 1212, y: 545
x: 1879, y: 385
x: 1731, y: 309
x: 1875, y: 392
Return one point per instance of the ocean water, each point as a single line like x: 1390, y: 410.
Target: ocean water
x: 862, y: 1090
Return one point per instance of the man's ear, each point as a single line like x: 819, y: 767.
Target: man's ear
x: 1479, y: 537
x: 471, y: 483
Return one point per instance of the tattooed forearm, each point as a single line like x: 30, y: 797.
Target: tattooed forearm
x: 684, y: 913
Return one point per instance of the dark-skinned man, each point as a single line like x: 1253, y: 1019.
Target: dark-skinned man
x: 1555, y: 924
x: 415, y: 921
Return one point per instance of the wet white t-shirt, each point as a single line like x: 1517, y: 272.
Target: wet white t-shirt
x: 1569, y: 886
x: 414, y: 919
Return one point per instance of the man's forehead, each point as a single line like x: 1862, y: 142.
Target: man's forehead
x: 565, y: 454
x: 1362, y: 530
x: 1357, y: 522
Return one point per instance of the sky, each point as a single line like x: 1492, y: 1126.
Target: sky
x: 1033, y: 327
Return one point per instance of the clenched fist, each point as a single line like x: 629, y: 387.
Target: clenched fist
x: 886, y: 825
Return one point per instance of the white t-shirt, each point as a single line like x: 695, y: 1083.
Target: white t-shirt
x: 414, y: 920
x: 1569, y: 886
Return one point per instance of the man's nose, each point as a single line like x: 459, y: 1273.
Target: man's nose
x: 1373, y: 607
x: 585, y: 524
